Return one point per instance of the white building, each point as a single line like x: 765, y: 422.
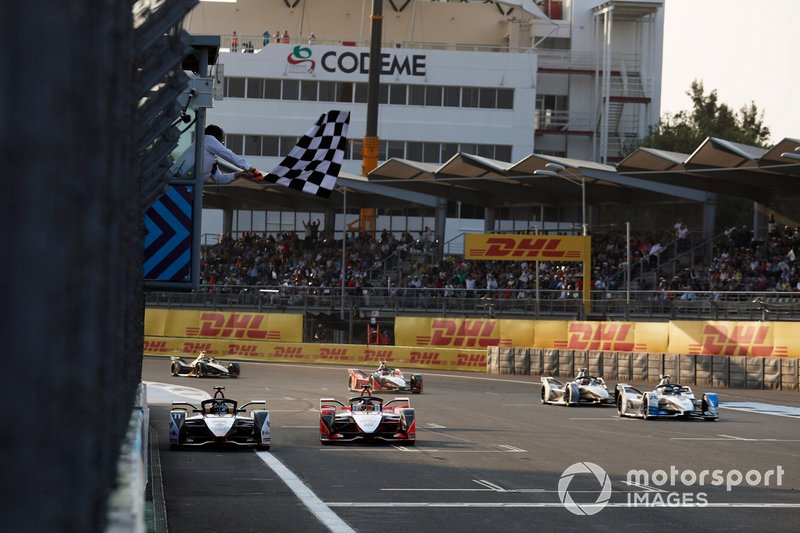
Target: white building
x: 503, y: 79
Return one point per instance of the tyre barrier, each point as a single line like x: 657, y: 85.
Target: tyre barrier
x: 737, y: 372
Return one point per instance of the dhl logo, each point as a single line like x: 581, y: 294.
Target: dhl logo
x: 243, y: 349
x: 334, y: 354
x: 601, y: 336
x: 463, y: 333
x: 425, y: 358
x: 289, y: 352
x: 236, y: 325
x: 379, y: 355
x: 739, y: 340
x: 156, y: 346
x: 471, y: 360
x: 533, y: 248
x: 196, y: 347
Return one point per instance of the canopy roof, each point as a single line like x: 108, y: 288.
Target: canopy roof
x: 645, y: 176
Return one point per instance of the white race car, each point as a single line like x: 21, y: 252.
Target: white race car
x: 584, y: 389
x: 203, y: 366
x: 668, y: 400
x: 219, y: 420
x: 367, y: 418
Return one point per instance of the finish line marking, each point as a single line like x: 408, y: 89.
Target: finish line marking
x: 322, y: 511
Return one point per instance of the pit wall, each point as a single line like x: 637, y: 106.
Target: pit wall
x: 740, y: 372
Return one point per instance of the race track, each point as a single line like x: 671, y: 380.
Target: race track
x: 489, y: 457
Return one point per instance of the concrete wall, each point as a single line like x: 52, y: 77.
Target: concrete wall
x: 71, y: 270
x: 713, y: 371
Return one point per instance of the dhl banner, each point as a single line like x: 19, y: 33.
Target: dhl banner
x: 512, y: 247
x: 763, y: 339
x: 353, y: 354
x: 462, y: 332
x: 224, y: 325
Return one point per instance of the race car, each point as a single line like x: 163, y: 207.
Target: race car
x: 366, y: 418
x: 385, y: 378
x: 668, y: 400
x: 219, y: 420
x: 203, y: 366
x: 584, y: 389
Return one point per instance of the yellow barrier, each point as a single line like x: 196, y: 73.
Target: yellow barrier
x: 224, y: 325
x: 354, y: 354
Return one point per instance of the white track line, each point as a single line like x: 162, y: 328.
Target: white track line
x: 505, y: 505
x: 323, y: 513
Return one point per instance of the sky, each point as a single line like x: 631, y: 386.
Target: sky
x: 745, y: 49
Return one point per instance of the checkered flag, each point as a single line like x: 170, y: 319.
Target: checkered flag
x: 314, y: 163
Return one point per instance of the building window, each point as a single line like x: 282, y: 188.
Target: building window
x: 395, y: 149
x: 433, y: 95
x: 397, y: 94
x: 452, y: 96
x: 487, y: 98
x: 252, y: 145
x: 414, y: 151
x: 361, y: 93
x: 291, y: 89
x: 502, y: 153
x: 235, y: 87
x: 505, y: 98
x: 344, y: 91
x: 327, y: 91
x: 270, y: 146
x: 255, y: 87
x: 431, y: 153
x: 416, y: 95
x: 469, y: 97
x: 235, y: 143
x: 272, y: 89
x: 308, y: 91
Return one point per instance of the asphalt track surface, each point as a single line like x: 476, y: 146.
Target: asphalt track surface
x: 489, y: 457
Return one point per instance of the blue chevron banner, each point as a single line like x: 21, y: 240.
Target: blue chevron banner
x: 168, y: 238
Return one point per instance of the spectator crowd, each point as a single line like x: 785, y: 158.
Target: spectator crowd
x: 660, y: 261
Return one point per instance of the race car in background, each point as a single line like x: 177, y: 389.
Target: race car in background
x: 584, y: 389
x: 219, y: 420
x: 385, y: 378
x: 203, y: 366
x: 667, y: 400
x: 366, y: 418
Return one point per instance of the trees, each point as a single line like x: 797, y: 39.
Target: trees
x: 685, y: 130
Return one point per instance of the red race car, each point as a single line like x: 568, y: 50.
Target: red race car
x: 385, y: 378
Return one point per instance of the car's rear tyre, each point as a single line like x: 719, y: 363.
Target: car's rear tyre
x: 568, y: 396
x: 200, y: 370
x: 175, y: 368
x: 619, y: 405
x: 541, y: 396
x: 234, y: 370
x: 353, y: 382
x: 645, y: 409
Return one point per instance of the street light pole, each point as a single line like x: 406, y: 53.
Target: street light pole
x: 552, y: 170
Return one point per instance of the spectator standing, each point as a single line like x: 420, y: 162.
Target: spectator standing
x: 285, y: 39
x: 234, y: 42
x: 265, y: 37
x: 312, y: 38
x: 682, y: 234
